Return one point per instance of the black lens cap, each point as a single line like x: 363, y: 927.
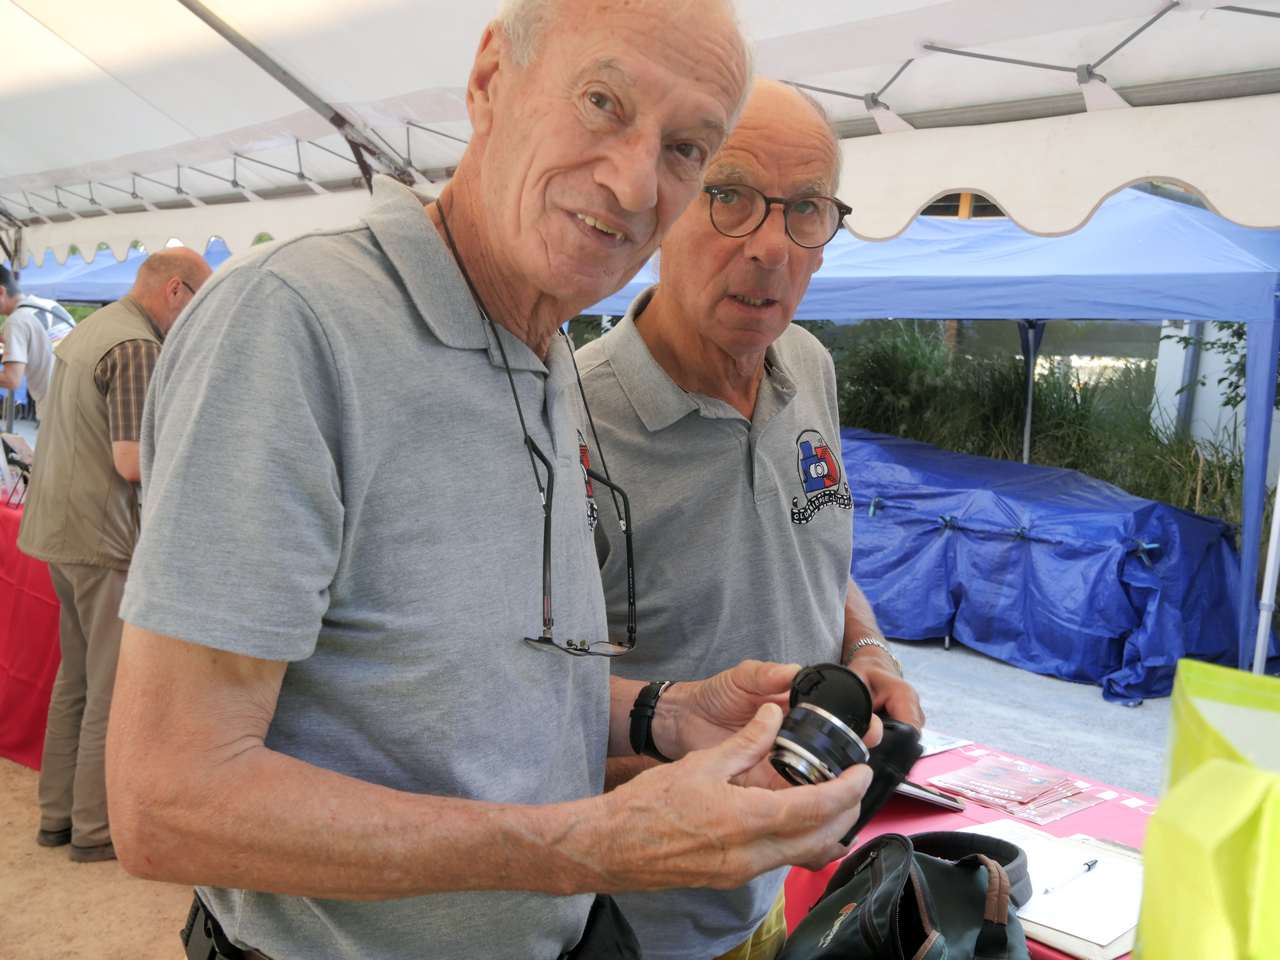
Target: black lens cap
x: 838, y: 691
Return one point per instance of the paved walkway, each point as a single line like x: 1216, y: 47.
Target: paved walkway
x: 53, y: 909
x: 1068, y: 725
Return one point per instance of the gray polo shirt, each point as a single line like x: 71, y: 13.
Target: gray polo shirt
x: 30, y: 333
x: 334, y: 477
x: 743, y: 534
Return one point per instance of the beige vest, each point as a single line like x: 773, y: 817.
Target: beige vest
x: 79, y: 509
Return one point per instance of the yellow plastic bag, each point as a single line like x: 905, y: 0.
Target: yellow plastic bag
x: 1212, y: 854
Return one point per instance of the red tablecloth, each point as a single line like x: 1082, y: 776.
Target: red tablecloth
x: 29, y: 653
x: 1122, y: 817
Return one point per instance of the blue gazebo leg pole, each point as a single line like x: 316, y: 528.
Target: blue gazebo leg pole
x: 1262, y: 354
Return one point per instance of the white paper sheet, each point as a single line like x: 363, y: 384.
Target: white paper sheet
x: 934, y: 742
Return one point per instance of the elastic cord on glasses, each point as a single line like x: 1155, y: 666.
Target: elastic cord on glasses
x: 547, y: 492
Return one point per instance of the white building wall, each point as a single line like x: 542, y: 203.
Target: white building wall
x: 1211, y: 419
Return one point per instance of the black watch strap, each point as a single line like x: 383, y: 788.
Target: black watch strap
x: 642, y: 719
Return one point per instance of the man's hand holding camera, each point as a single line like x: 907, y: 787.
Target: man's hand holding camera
x: 692, y: 823
x: 720, y: 814
x: 695, y: 716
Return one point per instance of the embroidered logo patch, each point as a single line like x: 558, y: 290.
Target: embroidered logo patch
x: 584, y: 458
x: 821, y: 478
x: 841, y: 917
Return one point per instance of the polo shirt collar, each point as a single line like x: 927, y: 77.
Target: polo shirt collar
x: 130, y: 303
x: 432, y: 278
x: 657, y: 399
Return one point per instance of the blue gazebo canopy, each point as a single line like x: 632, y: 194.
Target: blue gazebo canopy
x: 1140, y: 257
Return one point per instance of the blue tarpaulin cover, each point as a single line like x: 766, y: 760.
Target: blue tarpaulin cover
x: 1047, y: 569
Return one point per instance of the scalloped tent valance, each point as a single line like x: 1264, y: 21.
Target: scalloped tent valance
x: 236, y: 223
x: 1050, y: 175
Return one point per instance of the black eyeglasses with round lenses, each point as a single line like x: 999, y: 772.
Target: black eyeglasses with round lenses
x: 739, y: 211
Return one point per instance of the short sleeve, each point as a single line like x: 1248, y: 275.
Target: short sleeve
x: 123, y: 376
x: 242, y: 519
x: 17, y: 340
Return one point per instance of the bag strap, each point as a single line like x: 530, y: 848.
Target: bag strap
x: 953, y: 845
x: 993, y: 939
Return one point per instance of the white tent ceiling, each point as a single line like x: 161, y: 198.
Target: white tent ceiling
x: 111, y: 107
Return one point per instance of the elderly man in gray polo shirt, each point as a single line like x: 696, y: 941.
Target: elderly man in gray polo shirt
x: 346, y: 707
x: 722, y: 417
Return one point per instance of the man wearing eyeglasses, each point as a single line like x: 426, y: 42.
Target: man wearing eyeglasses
x: 720, y: 417
x: 359, y: 703
x: 81, y: 517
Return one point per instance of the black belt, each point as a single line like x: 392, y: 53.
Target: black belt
x: 204, y: 938
x: 607, y: 936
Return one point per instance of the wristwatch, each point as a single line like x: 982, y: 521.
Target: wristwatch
x: 876, y: 642
x: 642, y: 719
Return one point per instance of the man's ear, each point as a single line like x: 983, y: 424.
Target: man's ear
x: 481, y: 85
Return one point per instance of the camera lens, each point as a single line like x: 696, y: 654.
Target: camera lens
x: 822, y: 734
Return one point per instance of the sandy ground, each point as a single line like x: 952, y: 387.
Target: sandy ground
x: 53, y: 909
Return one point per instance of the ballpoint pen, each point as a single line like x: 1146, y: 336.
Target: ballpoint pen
x: 1086, y: 868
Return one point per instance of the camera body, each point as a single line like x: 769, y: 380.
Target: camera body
x: 821, y: 736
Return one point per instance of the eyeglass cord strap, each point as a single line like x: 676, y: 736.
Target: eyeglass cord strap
x: 591, y: 421
x: 530, y: 448
x: 506, y: 365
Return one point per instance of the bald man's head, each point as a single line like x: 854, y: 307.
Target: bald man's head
x: 592, y: 123
x: 735, y: 267
x: 166, y: 282
x: 526, y: 21
x: 777, y: 109
x: 181, y: 262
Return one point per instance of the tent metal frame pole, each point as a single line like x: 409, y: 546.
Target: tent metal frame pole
x: 1267, y: 605
x: 438, y: 133
x: 1252, y: 10
x: 9, y: 218
x: 1030, y: 332
x: 6, y: 218
x: 1026, y: 417
x: 12, y: 248
x: 385, y: 156
x: 1190, y: 375
x: 1262, y: 355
